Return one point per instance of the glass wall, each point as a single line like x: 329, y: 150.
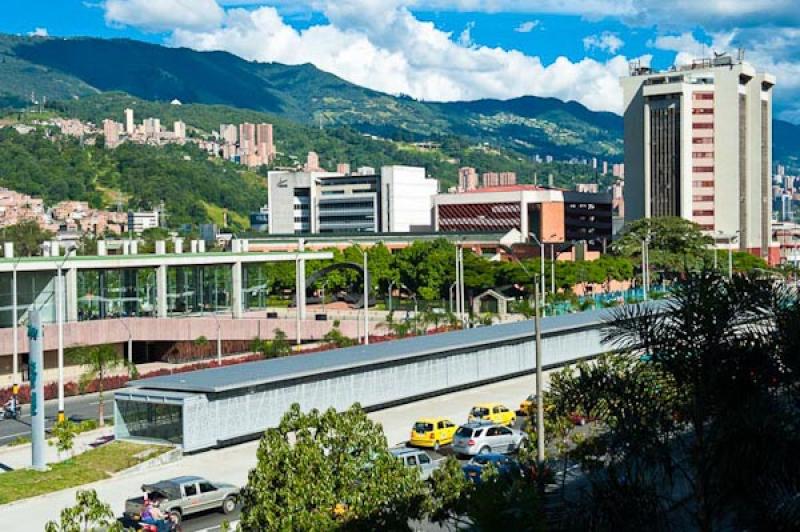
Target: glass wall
x: 34, y: 290
x: 198, y: 289
x: 152, y: 421
x: 255, y: 286
x: 116, y: 293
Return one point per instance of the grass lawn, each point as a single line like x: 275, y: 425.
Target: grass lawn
x: 90, y: 466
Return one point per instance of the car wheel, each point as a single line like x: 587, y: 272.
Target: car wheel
x: 436, y: 446
x: 485, y: 450
x: 228, y: 505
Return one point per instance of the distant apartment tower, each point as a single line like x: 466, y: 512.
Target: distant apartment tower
x: 180, y: 129
x: 265, y: 142
x: 228, y: 133
x: 247, y: 137
x: 111, y: 130
x: 152, y: 127
x: 343, y: 168
x: 698, y: 144
x: 467, y: 179
x: 312, y: 163
x: 129, y: 124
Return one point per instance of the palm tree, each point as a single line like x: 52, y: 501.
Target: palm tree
x: 98, y: 360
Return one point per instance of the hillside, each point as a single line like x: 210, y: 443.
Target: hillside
x: 334, y: 144
x: 75, y: 67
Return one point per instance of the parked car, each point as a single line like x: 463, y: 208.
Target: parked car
x: 484, y: 438
x: 494, y: 412
x: 418, y: 459
x: 432, y: 432
x: 506, y: 466
x: 182, y: 496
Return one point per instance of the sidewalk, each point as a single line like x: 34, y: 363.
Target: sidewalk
x: 19, y: 456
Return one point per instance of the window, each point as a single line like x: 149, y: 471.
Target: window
x: 702, y: 168
x: 492, y: 431
x: 703, y: 140
x: 702, y: 111
x: 703, y: 96
x: 504, y: 431
x: 424, y: 459
x: 502, y: 409
x: 703, y: 125
x: 702, y: 155
x: 497, y: 410
x: 703, y: 213
x: 207, y: 487
x: 190, y: 490
x: 440, y: 425
x: 412, y: 460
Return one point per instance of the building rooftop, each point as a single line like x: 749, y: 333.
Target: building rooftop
x: 506, y: 188
x: 267, y: 372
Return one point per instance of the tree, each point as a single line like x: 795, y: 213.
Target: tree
x: 675, y: 244
x: 698, y: 407
x: 279, y: 346
x: 329, y: 471
x: 99, y: 360
x: 335, y: 338
x: 88, y: 514
x: 64, y: 433
x: 27, y: 237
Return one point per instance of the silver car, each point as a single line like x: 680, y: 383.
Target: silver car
x: 181, y: 496
x: 417, y: 459
x: 480, y: 438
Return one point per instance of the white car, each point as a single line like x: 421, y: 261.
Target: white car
x: 482, y: 438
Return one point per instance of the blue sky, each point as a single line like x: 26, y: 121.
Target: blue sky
x: 452, y: 50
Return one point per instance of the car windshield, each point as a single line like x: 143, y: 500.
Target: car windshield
x: 464, y: 432
x: 479, y: 411
x: 423, y: 427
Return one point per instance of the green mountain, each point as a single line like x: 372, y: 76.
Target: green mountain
x: 72, y: 68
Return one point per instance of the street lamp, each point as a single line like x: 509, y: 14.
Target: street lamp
x: 541, y: 256
x: 538, y: 338
x: 645, y: 266
x: 60, y: 320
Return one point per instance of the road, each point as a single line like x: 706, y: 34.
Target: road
x: 77, y: 408
x: 232, y: 464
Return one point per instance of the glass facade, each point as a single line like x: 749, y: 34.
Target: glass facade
x: 34, y: 290
x: 198, y: 289
x: 116, y: 293
x: 152, y: 420
x: 255, y: 286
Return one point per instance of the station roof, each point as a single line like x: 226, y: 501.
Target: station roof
x: 246, y: 375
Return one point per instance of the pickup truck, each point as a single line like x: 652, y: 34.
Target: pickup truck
x: 417, y: 458
x: 182, y: 496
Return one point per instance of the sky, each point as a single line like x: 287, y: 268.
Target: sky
x: 453, y: 50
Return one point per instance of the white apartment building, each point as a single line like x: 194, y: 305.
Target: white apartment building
x: 139, y: 221
x: 698, y: 144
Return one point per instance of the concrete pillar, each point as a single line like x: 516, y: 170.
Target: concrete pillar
x: 193, y: 246
x: 8, y: 250
x: 245, y: 245
x: 134, y: 247
x: 178, y: 245
x: 71, y: 278
x: 201, y: 246
x: 161, y: 290
x: 237, y: 305
x: 102, y: 249
x: 36, y: 365
x: 55, y: 249
x: 126, y: 247
x: 236, y: 245
x: 161, y: 247
x: 300, y: 283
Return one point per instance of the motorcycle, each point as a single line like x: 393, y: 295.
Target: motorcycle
x: 12, y: 413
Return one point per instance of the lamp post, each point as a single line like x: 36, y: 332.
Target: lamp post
x: 645, y: 266
x: 541, y: 256
x: 538, y: 357
x: 60, y: 320
x: 365, y: 277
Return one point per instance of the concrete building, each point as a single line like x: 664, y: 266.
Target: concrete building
x: 398, y: 200
x: 152, y: 127
x: 139, y: 221
x: 467, y: 179
x: 111, y: 131
x: 228, y: 133
x: 179, y: 128
x: 129, y: 124
x: 312, y: 163
x: 343, y: 168
x: 266, y: 142
x: 406, y: 199
x: 551, y: 215
x: 698, y: 144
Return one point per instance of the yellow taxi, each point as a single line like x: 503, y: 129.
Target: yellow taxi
x: 494, y: 412
x: 528, y: 405
x: 432, y: 432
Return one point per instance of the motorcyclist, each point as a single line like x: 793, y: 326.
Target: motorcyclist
x: 11, y: 408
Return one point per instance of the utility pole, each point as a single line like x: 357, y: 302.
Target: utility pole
x: 366, y: 299
x: 539, y: 390
x: 36, y: 364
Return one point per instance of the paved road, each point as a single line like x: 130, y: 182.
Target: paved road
x: 77, y: 408
x: 232, y: 464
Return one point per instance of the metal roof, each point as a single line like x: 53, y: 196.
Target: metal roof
x: 245, y: 375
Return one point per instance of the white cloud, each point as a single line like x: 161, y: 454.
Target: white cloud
x: 394, y: 52
x: 528, y: 26
x: 606, y: 41
x: 38, y: 32
x: 465, y: 39
x: 163, y: 15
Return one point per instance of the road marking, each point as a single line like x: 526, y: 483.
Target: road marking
x: 231, y: 526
